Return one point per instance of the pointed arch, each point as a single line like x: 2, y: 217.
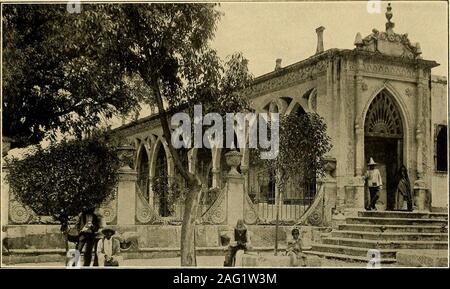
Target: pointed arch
x: 383, y: 117
x: 296, y: 107
x: 387, y: 86
x: 386, y: 141
x: 143, y: 171
x: 156, y: 146
x: 277, y: 105
x: 403, y: 111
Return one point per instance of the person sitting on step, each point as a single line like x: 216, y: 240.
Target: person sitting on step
x: 294, y: 249
x: 108, y: 249
x: 239, y: 244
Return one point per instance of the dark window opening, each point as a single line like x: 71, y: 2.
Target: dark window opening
x: 441, y: 149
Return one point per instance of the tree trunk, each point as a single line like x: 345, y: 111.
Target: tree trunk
x: 66, y: 246
x: 194, y: 184
x: 188, y: 228
x: 277, y: 220
x: 64, y: 231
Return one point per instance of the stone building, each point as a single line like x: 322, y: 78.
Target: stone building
x: 378, y: 100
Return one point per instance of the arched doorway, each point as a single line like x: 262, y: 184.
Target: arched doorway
x: 143, y: 173
x: 161, y: 182
x: 383, y: 141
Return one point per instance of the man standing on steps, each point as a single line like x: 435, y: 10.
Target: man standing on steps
x: 373, y: 181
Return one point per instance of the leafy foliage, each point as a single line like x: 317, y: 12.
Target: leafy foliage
x: 303, y: 145
x: 167, y: 194
x: 60, y: 72
x: 62, y: 179
x: 64, y: 71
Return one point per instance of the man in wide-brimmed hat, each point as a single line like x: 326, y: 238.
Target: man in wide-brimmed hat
x: 108, y: 248
x: 373, y: 180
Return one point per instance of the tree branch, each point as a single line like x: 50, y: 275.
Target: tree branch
x: 189, y: 177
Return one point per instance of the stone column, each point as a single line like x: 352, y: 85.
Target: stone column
x: 215, y: 177
x: 421, y: 193
x: 235, y: 189
x: 4, y: 206
x: 358, y: 181
x: 126, y: 191
x: 359, y: 149
x: 330, y: 187
x: 126, y: 197
x: 359, y: 124
x: 244, y: 171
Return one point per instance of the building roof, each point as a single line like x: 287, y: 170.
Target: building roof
x: 385, y: 46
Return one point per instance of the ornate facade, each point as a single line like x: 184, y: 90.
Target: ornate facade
x: 378, y: 100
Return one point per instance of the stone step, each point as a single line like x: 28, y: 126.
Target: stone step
x: 390, y: 236
x: 353, y: 251
x: 395, y: 221
x: 347, y: 257
x: 422, y: 258
x: 17, y: 256
x: 382, y: 244
x: 394, y: 228
x: 403, y: 214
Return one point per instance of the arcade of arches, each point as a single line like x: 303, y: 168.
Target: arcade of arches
x: 378, y: 100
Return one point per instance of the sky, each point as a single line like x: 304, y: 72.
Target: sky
x: 264, y: 32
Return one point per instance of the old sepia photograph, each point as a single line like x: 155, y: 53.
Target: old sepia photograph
x: 249, y: 134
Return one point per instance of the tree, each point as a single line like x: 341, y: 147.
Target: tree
x: 57, y: 73
x: 164, y: 47
x: 167, y: 46
x: 62, y: 179
x: 301, y: 156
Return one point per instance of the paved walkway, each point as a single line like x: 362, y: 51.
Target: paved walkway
x: 202, y: 261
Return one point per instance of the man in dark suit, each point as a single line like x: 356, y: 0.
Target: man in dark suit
x: 90, y: 223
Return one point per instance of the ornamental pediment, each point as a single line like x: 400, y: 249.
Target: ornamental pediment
x: 389, y: 42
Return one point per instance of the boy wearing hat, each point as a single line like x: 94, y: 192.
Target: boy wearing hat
x: 108, y: 248
x: 373, y: 180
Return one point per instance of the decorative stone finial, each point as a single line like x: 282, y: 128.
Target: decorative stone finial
x: 418, y: 50
x: 233, y: 159
x: 278, y: 63
x: 358, y: 40
x: 389, y: 25
x: 125, y: 153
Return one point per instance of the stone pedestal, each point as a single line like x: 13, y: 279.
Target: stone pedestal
x: 235, y: 199
x: 126, y: 197
x: 422, y: 196
x: 354, y: 196
x: 330, y: 198
x: 4, y: 205
x: 235, y: 189
x: 359, y: 196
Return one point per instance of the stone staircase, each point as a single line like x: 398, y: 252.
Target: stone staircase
x: 388, y: 231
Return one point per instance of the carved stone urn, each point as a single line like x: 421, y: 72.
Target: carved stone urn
x: 125, y: 153
x: 330, y: 166
x: 233, y: 159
